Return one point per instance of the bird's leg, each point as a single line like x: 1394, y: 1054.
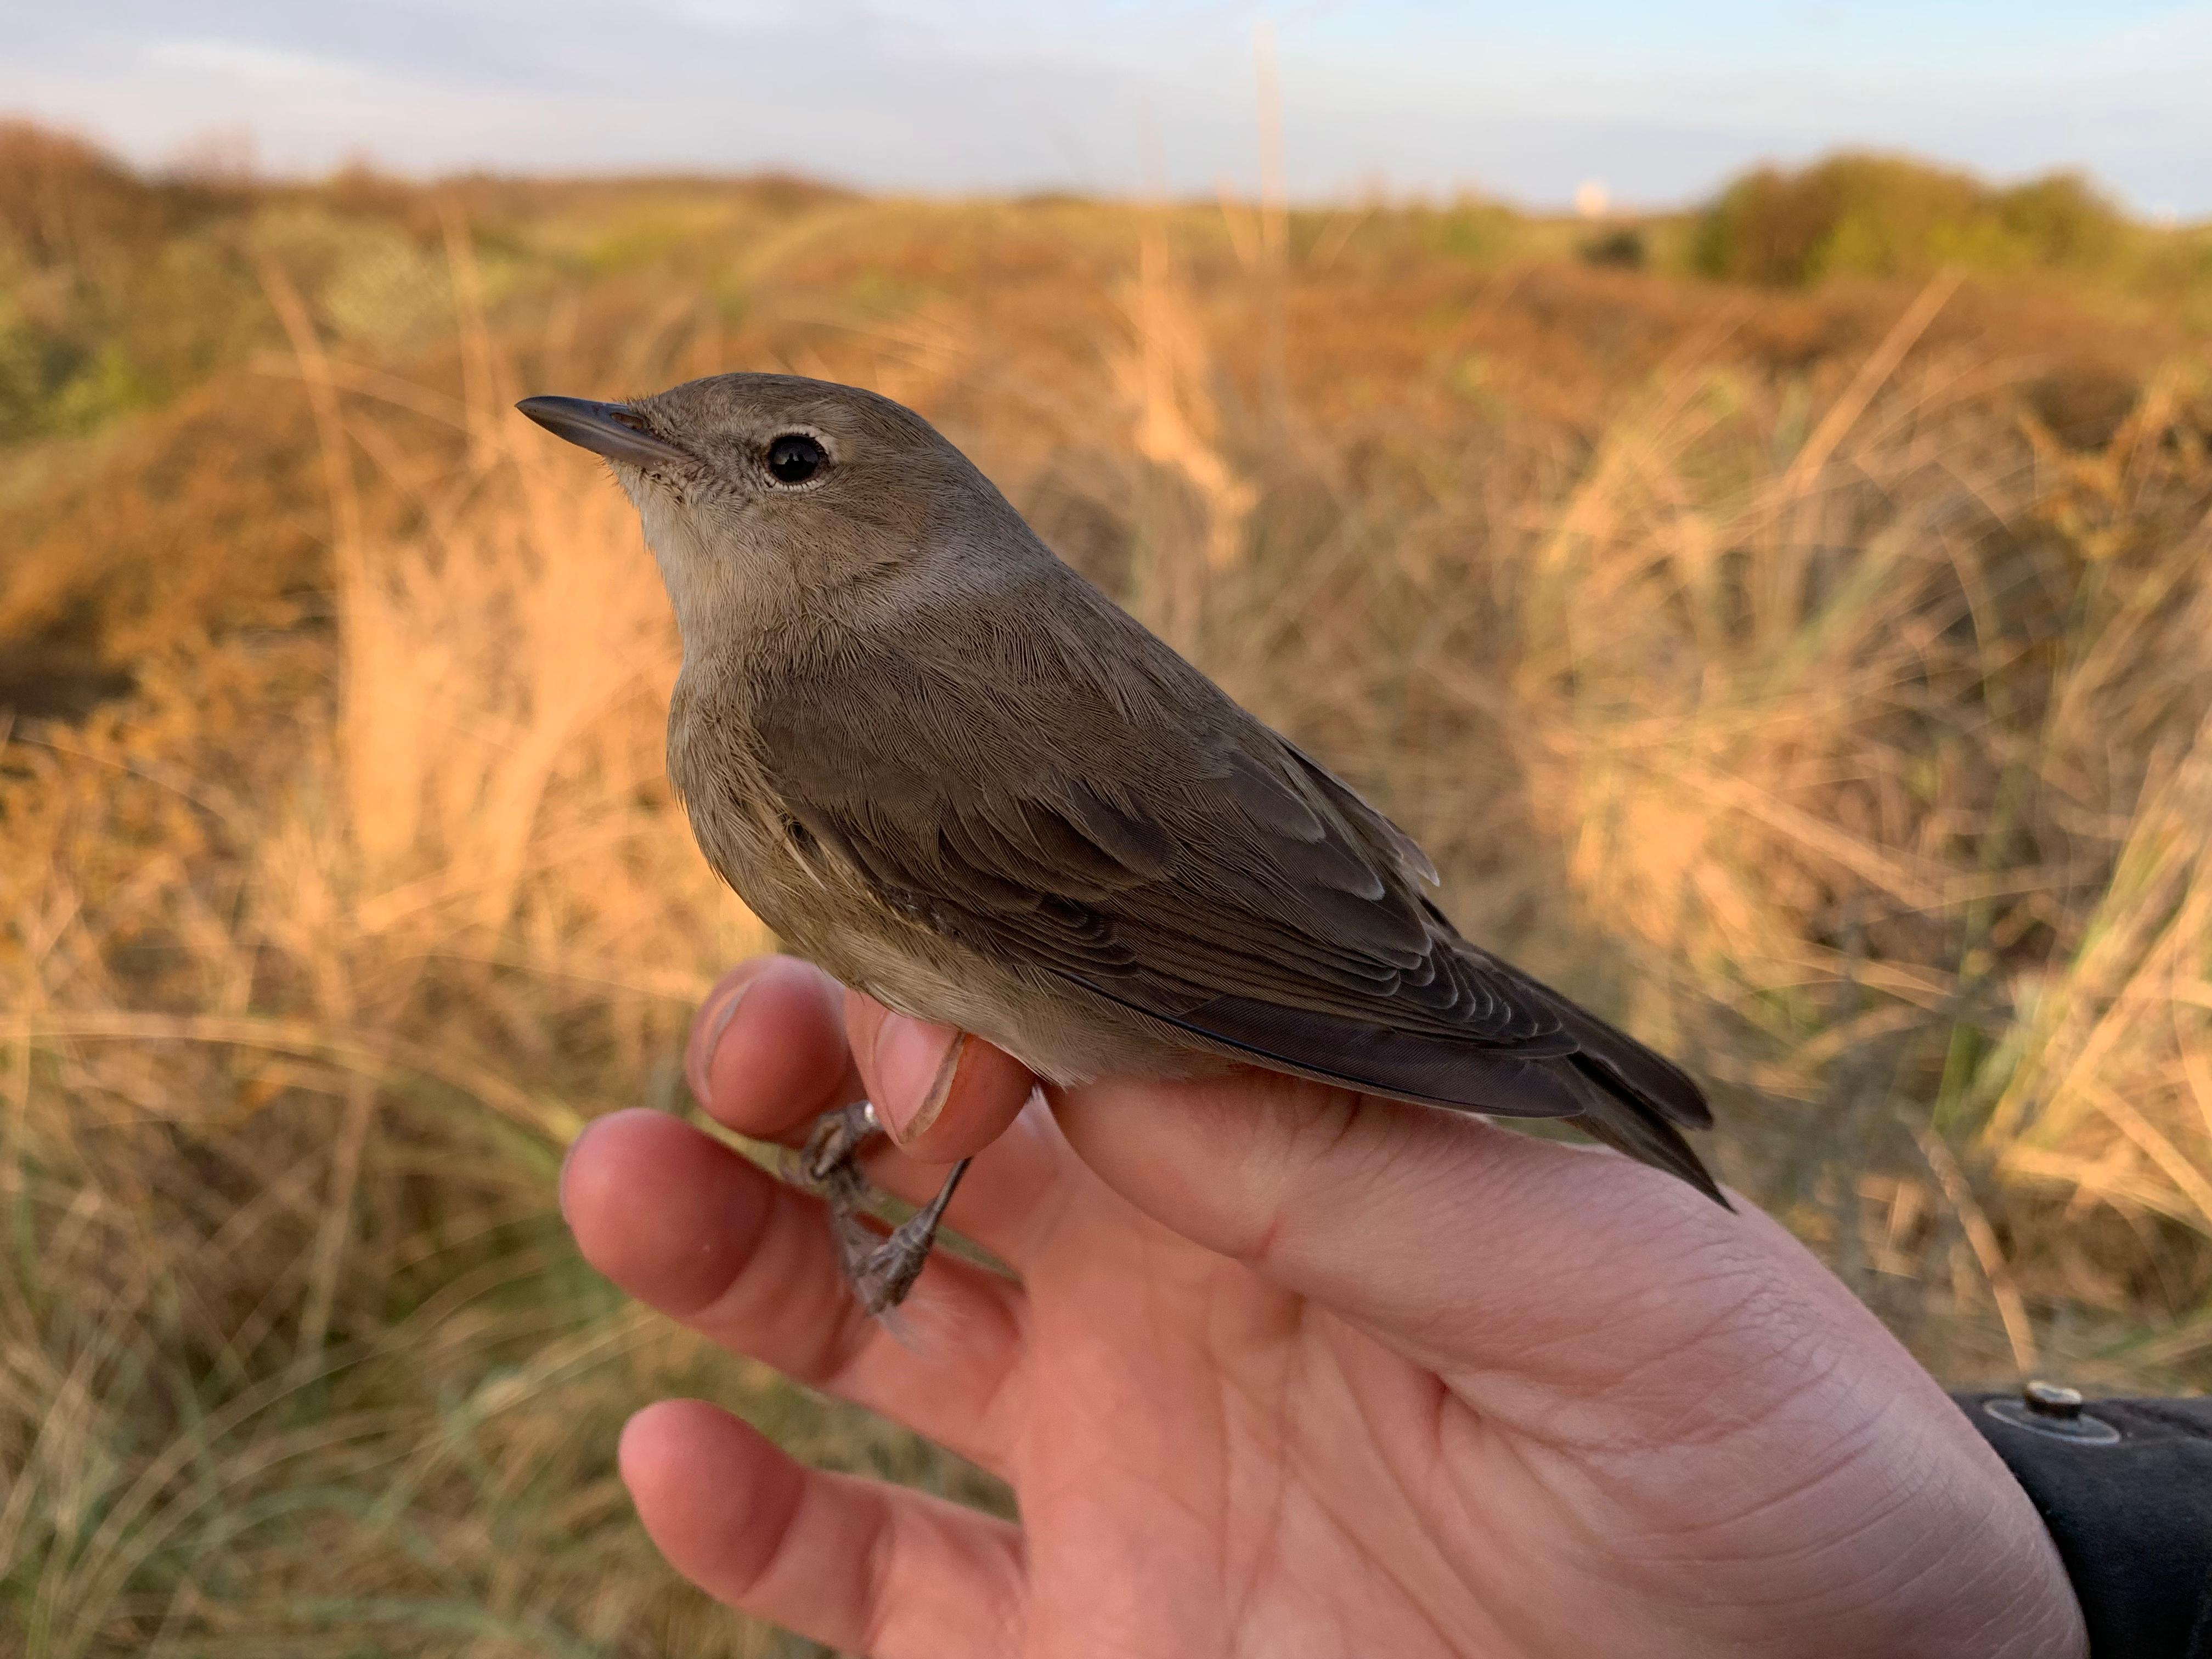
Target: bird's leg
x: 882, y: 1276
x: 880, y: 1271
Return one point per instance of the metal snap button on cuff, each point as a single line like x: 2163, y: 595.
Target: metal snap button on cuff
x: 2054, y: 1409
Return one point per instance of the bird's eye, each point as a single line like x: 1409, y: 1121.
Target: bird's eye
x: 795, y: 458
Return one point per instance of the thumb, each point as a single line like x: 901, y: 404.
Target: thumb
x: 1468, y: 1246
x: 940, y: 1093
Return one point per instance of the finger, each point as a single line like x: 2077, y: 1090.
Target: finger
x: 1463, y: 1243
x: 944, y: 1094
x: 766, y: 1053
x: 687, y: 1226
x: 941, y: 1093
x: 861, y: 1566
x: 769, y: 1051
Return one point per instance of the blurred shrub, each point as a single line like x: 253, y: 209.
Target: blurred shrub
x: 112, y: 294
x: 62, y: 202
x: 371, y: 280
x: 1622, y: 248
x: 1470, y: 228
x: 1875, y: 215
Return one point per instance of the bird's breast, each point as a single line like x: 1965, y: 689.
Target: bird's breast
x: 823, y: 907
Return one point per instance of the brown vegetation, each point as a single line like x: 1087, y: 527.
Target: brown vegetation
x: 1819, y: 680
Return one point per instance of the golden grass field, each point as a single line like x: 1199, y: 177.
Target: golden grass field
x: 1817, y: 676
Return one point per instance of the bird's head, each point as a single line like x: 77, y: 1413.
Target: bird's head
x: 762, y: 492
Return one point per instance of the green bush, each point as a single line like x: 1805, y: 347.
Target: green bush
x: 115, y: 290
x: 1877, y: 216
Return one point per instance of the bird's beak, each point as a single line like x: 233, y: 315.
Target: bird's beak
x: 608, y: 429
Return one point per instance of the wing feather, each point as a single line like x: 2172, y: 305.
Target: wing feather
x: 1143, y: 837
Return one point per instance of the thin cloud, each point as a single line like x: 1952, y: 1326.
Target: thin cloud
x: 993, y: 95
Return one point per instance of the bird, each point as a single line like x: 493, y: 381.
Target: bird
x: 937, y: 761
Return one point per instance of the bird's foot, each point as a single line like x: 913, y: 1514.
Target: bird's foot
x: 881, y: 1271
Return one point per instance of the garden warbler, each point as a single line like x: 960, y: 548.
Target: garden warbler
x: 939, y: 762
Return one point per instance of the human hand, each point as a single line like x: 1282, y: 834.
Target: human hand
x: 1288, y: 1371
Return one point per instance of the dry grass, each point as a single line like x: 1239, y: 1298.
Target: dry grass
x: 1821, y: 682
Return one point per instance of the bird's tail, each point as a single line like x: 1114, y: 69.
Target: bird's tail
x: 1626, y: 1121
x: 1632, y: 1098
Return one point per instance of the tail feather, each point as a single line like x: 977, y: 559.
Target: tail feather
x: 1628, y: 1124
x: 1633, y: 1069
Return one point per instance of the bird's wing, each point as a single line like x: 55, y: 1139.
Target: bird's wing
x: 1141, y: 835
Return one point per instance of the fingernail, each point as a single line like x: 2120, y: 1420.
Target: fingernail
x: 908, y: 1049
x: 699, y: 1055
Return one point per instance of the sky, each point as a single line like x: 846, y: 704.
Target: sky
x: 1661, y: 102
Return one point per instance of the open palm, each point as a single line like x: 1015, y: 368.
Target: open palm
x: 1287, y: 1371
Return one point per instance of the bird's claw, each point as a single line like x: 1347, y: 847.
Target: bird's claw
x: 829, y: 1165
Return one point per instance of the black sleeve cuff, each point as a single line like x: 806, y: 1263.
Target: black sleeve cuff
x: 2130, y: 1512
